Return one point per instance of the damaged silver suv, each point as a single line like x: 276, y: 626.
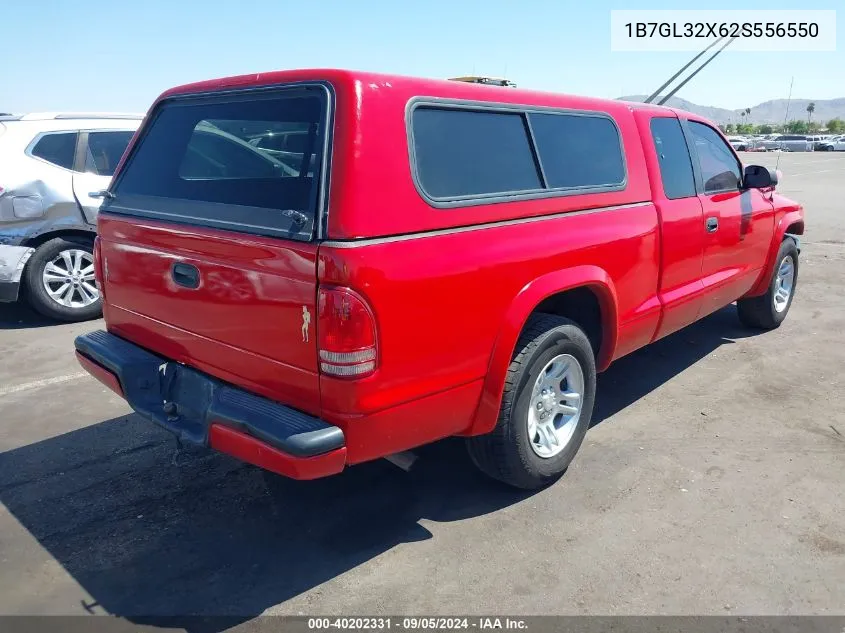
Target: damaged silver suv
x: 49, y: 165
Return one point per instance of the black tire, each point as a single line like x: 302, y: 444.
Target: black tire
x: 760, y: 312
x: 506, y: 454
x: 37, y: 294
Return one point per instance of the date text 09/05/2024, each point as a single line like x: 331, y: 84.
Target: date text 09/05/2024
x: 723, y: 29
x: 416, y: 623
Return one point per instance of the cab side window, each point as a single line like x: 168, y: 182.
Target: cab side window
x: 673, y: 156
x: 720, y: 170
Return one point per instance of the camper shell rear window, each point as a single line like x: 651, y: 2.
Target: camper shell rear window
x: 250, y: 161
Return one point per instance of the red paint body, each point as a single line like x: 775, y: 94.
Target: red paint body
x: 448, y: 305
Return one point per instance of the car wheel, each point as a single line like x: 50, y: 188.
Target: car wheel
x: 770, y: 309
x: 60, y: 281
x: 546, y: 406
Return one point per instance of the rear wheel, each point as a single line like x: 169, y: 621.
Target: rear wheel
x: 546, y: 406
x: 769, y: 310
x: 60, y: 281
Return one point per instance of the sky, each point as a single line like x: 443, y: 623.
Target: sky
x: 118, y: 55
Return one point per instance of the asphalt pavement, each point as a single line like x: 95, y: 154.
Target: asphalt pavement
x: 712, y: 482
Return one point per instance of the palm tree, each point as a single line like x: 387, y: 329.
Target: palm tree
x: 810, y: 109
x: 748, y: 113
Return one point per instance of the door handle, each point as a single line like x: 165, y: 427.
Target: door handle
x: 712, y: 225
x: 186, y: 275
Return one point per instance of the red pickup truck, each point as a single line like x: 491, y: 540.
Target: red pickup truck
x: 312, y: 269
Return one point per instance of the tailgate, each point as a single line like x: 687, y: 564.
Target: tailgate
x: 206, y: 247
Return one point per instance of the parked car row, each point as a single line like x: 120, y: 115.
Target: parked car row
x: 787, y: 143
x: 833, y: 144
x: 740, y: 143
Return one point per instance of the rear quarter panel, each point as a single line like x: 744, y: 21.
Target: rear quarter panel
x: 444, y: 302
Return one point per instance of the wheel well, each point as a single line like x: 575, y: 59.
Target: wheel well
x: 73, y: 235
x: 796, y: 228
x: 580, y: 305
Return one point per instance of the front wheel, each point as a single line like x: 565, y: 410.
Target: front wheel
x: 546, y: 406
x: 770, y: 309
x: 60, y: 281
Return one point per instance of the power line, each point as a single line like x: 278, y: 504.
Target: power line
x: 654, y: 95
x: 698, y: 70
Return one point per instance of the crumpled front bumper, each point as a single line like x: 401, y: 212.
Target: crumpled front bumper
x: 12, y: 262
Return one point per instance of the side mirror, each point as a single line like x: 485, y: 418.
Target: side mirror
x: 758, y: 177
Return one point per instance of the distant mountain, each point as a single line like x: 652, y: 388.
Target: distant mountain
x: 768, y: 112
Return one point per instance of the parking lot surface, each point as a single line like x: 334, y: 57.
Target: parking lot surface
x: 712, y: 482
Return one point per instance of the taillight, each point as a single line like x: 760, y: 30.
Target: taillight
x: 346, y: 333
x: 98, y: 268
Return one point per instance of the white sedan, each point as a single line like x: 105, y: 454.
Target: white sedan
x: 835, y: 144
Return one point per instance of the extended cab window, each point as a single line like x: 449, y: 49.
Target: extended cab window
x: 57, y: 148
x: 578, y: 151
x: 720, y: 170
x: 470, y: 153
x: 463, y: 153
x: 202, y: 161
x: 673, y: 156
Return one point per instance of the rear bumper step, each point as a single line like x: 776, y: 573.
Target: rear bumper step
x: 203, y: 410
